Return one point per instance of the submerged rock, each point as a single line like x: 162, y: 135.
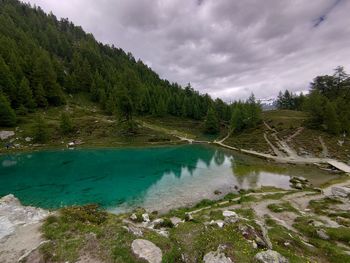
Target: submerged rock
x: 146, y: 250
x: 270, y: 256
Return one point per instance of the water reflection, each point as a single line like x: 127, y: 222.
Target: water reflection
x: 156, y: 178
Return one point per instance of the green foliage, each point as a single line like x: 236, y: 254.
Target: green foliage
x: 88, y: 214
x: 25, y: 95
x: 66, y: 124
x: 41, y: 131
x: 290, y: 101
x: 245, y: 115
x: 7, y: 114
x: 43, y: 60
x: 212, y: 125
x: 282, y: 207
x: 328, y: 104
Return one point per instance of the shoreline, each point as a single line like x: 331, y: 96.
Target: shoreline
x: 32, y: 231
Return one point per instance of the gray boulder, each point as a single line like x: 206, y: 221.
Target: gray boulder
x: 216, y: 257
x: 4, y: 135
x: 322, y: 234
x: 146, y: 250
x: 270, y: 256
x: 341, y: 191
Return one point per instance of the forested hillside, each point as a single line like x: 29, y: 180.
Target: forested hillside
x: 43, y: 60
x: 327, y: 103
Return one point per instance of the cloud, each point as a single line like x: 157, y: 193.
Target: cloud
x: 226, y: 48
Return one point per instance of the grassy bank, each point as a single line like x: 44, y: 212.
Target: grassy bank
x: 87, y: 232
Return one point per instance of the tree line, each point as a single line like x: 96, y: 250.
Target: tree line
x: 327, y: 102
x: 43, y: 59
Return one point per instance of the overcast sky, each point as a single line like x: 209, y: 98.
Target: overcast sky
x: 228, y: 48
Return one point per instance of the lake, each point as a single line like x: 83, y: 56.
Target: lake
x: 156, y: 178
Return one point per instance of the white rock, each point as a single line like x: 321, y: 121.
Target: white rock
x: 4, y: 135
x: 322, y: 234
x: 175, y: 220
x: 216, y: 257
x: 13, y: 214
x: 133, y: 217
x: 163, y: 233
x: 341, y: 191
x: 146, y: 250
x: 145, y: 217
x: 270, y: 256
x: 28, y: 139
x: 228, y: 213
x: 220, y: 223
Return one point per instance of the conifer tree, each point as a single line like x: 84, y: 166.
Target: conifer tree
x: 66, y: 124
x: 211, y: 124
x: 331, y: 122
x: 41, y: 131
x: 7, y: 114
x: 25, y: 95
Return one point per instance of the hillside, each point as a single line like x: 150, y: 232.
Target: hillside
x: 291, y: 127
x: 44, y: 60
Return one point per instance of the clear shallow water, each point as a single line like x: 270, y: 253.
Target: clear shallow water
x: 155, y: 178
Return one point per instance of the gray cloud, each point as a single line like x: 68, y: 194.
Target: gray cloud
x: 224, y: 47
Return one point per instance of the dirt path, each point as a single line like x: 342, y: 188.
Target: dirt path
x: 299, y: 130
x: 325, y: 153
x: 274, y: 149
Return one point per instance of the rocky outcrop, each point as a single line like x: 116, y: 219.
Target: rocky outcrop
x: 341, y: 191
x: 270, y: 256
x: 217, y: 256
x: 146, y: 250
x: 4, y: 135
x: 299, y: 183
x: 14, y: 214
x: 322, y: 234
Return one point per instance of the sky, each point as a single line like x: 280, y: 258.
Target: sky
x: 227, y: 48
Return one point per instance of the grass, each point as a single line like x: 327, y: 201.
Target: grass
x: 89, y: 231
x: 325, y: 206
x: 326, y: 248
x: 252, y: 139
x: 92, y: 126
x: 282, y: 207
x: 296, y: 250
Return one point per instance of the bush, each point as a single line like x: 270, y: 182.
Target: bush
x: 85, y: 214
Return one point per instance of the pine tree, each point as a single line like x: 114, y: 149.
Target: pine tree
x: 111, y: 105
x: 7, y: 83
x: 66, y: 124
x: 41, y: 131
x: 331, y: 122
x: 211, y: 124
x: 7, y: 114
x: 39, y: 95
x: 25, y: 95
x: 237, y: 123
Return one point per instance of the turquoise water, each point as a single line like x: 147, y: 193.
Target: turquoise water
x: 119, y: 179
